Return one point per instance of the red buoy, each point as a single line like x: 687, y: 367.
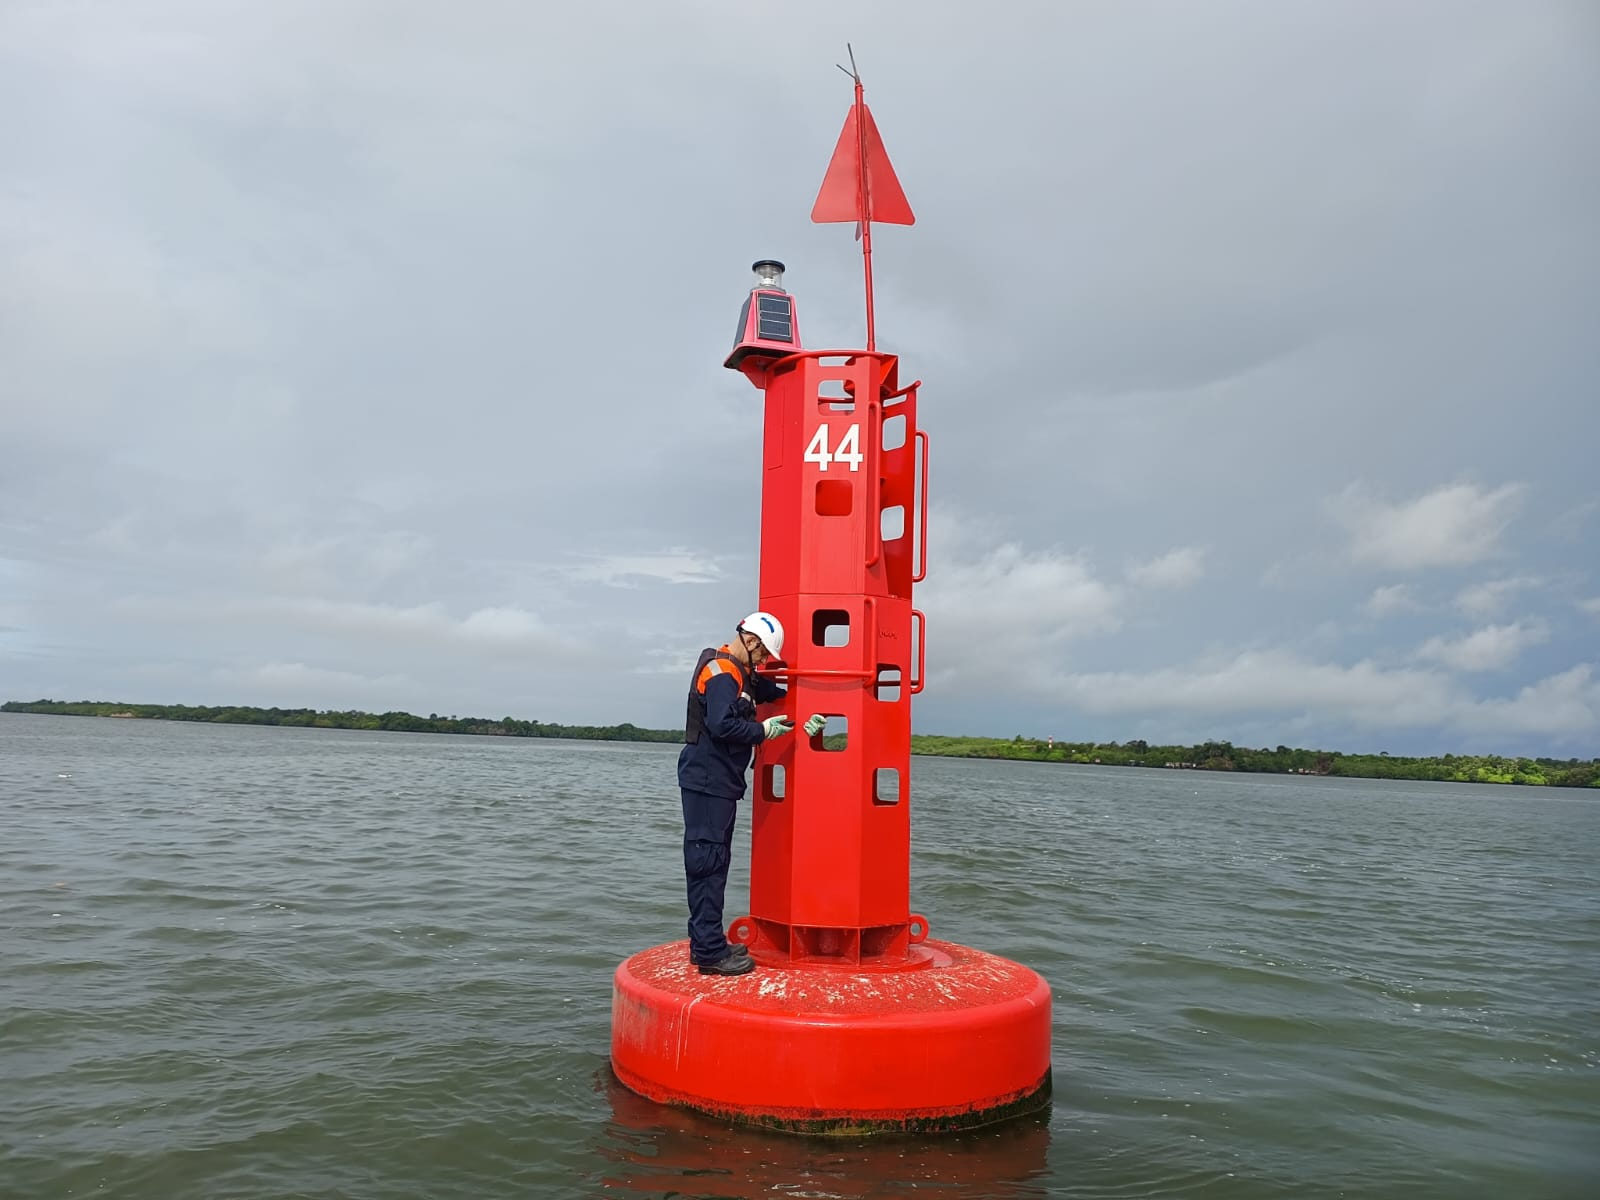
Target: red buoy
x: 854, y: 1021
x: 964, y: 1042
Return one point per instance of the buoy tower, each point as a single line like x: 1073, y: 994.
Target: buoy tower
x: 856, y: 1020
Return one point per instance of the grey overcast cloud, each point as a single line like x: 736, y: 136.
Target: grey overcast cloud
x: 368, y: 354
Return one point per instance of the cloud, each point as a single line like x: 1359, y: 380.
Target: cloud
x: 99, y: 300
x: 1571, y: 524
x: 1455, y: 525
x: 501, y: 627
x: 1489, y: 598
x: 297, y: 380
x: 295, y: 678
x: 1175, y: 569
x: 1590, y: 606
x: 1011, y: 601
x: 1488, y: 649
x: 633, y: 570
x: 1363, y: 695
x: 1393, y: 598
x: 323, y: 562
x: 416, y: 629
x: 1255, y: 680
x: 504, y: 629
x: 1566, y: 704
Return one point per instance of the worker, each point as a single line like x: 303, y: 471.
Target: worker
x: 720, y: 734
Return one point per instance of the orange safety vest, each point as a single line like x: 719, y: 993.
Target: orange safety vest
x: 711, y: 663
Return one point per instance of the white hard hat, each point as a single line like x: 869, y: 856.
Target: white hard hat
x: 767, y: 628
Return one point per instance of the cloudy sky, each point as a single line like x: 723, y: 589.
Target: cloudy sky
x: 369, y: 354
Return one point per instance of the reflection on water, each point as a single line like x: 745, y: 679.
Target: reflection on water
x: 652, y: 1150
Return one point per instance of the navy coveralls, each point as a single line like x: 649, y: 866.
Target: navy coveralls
x: 722, y: 721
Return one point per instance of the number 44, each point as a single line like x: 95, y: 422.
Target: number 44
x: 847, y: 451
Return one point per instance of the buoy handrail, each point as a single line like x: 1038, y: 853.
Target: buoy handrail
x: 922, y: 514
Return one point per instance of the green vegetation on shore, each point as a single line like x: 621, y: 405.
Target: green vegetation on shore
x: 1205, y: 756
x: 1224, y: 756
x: 393, y: 722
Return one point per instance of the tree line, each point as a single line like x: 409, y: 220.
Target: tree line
x: 1202, y: 756
x: 1284, y: 760
x: 311, y: 718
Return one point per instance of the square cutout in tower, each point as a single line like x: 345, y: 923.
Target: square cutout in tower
x: 772, y: 781
x: 836, y: 736
x: 886, y: 785
x: 894, y: 431
x: 834, y: 497
x: 830, y: 627
x: 892, y: 523
x: 834, y: 396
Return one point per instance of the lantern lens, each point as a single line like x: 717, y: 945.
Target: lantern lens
x: 769, y: 274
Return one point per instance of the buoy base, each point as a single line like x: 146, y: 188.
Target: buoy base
x: 962, y: 1043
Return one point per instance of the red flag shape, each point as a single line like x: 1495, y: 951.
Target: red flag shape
x: 840, y: 198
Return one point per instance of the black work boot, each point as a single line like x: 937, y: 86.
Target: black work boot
x: 738, y: 948
x: 729, y: 964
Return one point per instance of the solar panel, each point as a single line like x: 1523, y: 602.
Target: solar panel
x: 774, y: 319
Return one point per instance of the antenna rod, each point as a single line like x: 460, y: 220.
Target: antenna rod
x: 863, y: 194
x: 874, y: 194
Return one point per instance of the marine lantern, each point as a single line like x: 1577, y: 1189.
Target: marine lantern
x: 767, y: 326
x: 856, y: 1020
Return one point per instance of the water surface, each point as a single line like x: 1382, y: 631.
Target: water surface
x: 262, y: 962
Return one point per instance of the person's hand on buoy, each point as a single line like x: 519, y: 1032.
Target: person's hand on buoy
x: 814, y: 724
x: 776, y: 727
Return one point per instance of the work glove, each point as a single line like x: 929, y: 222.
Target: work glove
x: 814, y: 724
x: 776, y: 727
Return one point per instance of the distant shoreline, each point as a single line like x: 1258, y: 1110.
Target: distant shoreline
x: 1205, y: 756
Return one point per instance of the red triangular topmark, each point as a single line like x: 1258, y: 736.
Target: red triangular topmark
x: 840, y: 198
